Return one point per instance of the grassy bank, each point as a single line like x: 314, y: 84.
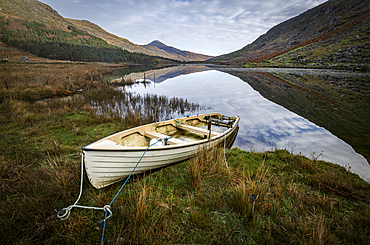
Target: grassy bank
x: 271, y: 197
x: 35, y: 81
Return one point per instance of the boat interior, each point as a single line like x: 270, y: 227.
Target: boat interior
x: 179, y: 131
x: 171, y: 132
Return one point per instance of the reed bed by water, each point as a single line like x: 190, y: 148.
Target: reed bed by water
x: 137, y: 109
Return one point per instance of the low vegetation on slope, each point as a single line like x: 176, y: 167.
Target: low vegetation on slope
x: 154, y: 48
x: 335, y: 33
x: 95, y: 30
x: 36, y: 28
x: 72, y: 44
x: 347, y: 50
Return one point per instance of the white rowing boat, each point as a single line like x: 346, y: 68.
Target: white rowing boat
x: 160, y: 144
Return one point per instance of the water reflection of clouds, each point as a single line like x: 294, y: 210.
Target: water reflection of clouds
x: 264, y: 125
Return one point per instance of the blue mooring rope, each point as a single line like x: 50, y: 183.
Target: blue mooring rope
x: 105, y: 215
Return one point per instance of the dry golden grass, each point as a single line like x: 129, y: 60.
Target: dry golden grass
x: 37, y: 78
x: 40, y: 78
x: 208, y: 164
x: 15, y: 55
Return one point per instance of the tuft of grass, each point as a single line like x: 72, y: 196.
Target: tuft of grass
x: 208, y: 164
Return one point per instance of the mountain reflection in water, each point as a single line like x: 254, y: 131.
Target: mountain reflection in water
x: 161, y: 75
x: 264, y: 125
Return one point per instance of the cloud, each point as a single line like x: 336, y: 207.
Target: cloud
x: 205, y: 26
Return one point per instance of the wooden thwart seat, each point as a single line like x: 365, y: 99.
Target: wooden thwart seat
x: 170, y: 141
x: 197, y: 130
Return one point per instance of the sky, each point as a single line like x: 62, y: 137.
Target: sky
x: 211, y: 27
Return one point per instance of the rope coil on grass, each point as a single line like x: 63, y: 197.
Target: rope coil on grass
x: 64, y: 213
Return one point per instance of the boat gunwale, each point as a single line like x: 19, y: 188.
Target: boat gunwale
x: 167, y: 147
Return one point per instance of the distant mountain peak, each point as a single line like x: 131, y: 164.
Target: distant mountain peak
x: 180, y: 54
x: 156, y: 42
x: 159, y: 44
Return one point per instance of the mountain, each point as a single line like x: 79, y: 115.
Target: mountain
x: 37, y: 28
x: 97, y: 31
x: 112, y: 39
x: 180, y: 54
x: 32, y: 11
x: 155, y: 48
x: 336, y: 31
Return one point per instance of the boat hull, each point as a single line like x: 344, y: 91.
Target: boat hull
x: 105, y: 166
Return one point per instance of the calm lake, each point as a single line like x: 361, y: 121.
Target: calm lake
x: 264, y: 124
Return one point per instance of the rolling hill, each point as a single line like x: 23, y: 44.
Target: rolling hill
x: 37, y: 28
x: 32, y: 11
x: 155, y: 48
x: 337, y: 32
x: 97, y: 31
